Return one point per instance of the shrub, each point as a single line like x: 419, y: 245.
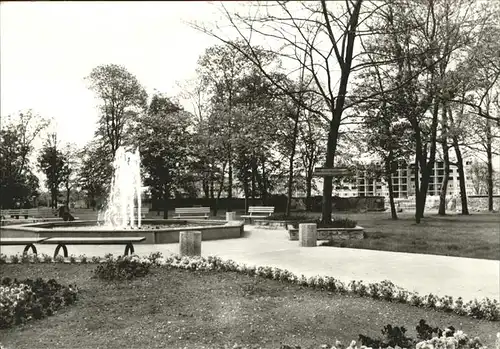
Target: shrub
x: 426, y: 332
x: 15, y: 259
x: 122, y: 268
x: 285, y: 217
x: 32, y: 299
x: 336, y: 223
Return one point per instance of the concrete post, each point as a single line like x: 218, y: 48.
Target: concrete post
x: 190, y: 243
x: 230, y: 216
x: 308, y: 234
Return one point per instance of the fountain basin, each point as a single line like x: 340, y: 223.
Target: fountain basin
x: 156, y: 231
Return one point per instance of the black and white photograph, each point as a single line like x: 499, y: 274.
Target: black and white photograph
x: 307, y: 174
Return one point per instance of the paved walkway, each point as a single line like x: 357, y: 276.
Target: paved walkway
x: 458, y: 277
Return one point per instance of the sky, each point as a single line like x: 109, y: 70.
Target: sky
x: 47, y: 48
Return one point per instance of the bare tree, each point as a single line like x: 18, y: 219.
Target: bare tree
x: 318, y: 37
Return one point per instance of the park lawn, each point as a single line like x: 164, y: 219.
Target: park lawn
x: 179, y: 308
x: 473, y: 236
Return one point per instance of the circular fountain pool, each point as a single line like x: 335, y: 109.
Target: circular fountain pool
x: 156, y: 231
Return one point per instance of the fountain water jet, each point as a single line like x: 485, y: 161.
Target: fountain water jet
x: 125, y: 191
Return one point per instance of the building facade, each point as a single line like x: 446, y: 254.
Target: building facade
x: 403, y: 181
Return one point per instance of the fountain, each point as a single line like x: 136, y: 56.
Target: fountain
x: 122, y: 216
x: 125, y: 191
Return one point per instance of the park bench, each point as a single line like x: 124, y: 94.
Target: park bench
x: 15, y: 213
x: 192, y: 212
x: 258, y: 212
x: 41, y: 212
x: 29, y: 242
x: 61, y: 242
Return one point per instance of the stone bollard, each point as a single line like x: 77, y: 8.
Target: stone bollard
x: 190, y: 243
x: 308, y: 234
x: 230, y: 216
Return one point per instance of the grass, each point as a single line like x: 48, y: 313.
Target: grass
x: 474, y: 236
x: 176, y: 308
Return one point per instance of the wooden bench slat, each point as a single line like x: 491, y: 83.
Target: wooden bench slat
x: 20, y: 241
x: 188, y: 217
x: 192, y: 210
x: 93, y: 241
x: 258, y: 212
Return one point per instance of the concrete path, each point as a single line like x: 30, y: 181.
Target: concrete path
x: 458, y: 277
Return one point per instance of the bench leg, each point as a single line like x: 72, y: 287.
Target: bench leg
x: 129, y: 248
x: 65, y: 250
x: 28, y: 247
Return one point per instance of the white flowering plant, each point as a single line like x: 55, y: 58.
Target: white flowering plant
x: 32, y: 299
x: 122, y: 268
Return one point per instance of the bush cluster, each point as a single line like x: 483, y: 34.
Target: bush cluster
x: 337, y: 222
x: 122, y: 268
x: 285, y: 217
x: 21, y: 301
x: 395, y: 338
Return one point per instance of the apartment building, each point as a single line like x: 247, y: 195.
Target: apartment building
x: 403, y: 181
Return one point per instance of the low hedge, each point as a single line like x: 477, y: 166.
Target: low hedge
x: 484, y: 309
x: 21, y: 301
x: 295, y: 220
x: 337, y: 222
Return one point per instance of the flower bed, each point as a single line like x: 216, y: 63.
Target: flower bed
x: 484, y: 309
x: 21, y: 301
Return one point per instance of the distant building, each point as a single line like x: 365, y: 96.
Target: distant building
x: 403, y: 181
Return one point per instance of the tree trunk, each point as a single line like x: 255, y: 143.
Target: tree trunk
x: 219, y: 191
x: 446, y: 159
x: 388, y: 171
x: 290, y: 164
x: 206, y: 188
x: 68, y: 192
x: 253, y: 178
x: 245, y: 190
x: 424, y: 186
x: 426, y: 165
x: 326, y: 210
x: 417, y: 187
x: 489, y: 154
x: 461, y: 173
x: 264, y: 182
x: 165, y: 204
x: 308, y: 193
x: 444, y: 184
x: 212, y: 183
x: 230, y: 183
